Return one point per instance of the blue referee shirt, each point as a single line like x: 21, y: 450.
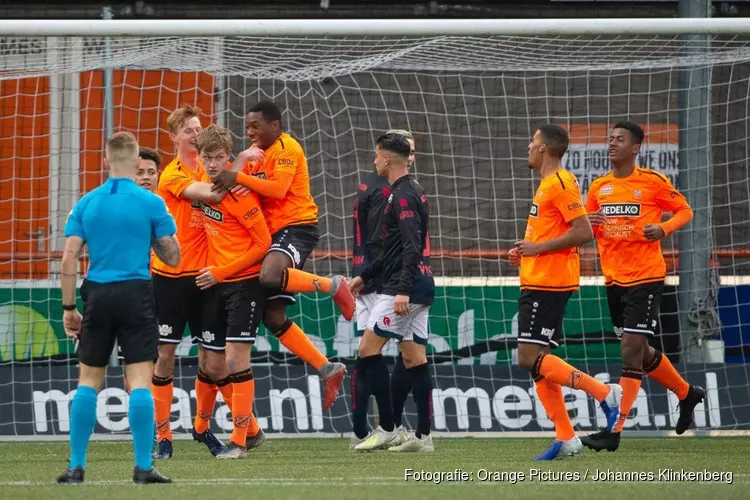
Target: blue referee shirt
x: 117, y: 221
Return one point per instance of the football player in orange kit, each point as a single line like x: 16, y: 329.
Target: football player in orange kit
x: 282, y: 181
x: 625, y: 208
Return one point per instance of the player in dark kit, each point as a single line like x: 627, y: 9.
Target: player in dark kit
x: 118, y: 300
x: 369, y: 210
x: 407, y: 289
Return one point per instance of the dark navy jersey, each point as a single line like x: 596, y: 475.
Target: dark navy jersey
x: 369, y: 211
x: 402, y: 266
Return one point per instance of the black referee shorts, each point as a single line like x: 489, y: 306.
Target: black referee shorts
x: 125, y: 312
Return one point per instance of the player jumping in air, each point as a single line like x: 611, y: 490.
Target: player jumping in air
x: 369, y: 209
x: 179, y: 301
x: 238, y: 238
x: 625, y: 207
x: 407, y: 289
x: 550, y: 273
x: 282, y: 181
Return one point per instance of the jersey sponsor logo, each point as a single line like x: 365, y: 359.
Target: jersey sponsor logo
x: 358, y: 260
x: 284, y: 161
x: 197, y: 205
x: 534, y: 212
x: 575, y: 206
x: 622, y: 209
x: 212, y: 213
x: 406, y: 214
x: 252, y: 213
x: 608, y: 189
x: 259, y: 175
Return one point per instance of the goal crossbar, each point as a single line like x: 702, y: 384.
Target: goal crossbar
x: 375, y: 27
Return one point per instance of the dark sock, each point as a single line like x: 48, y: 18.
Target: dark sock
x: 421, y: 383
x: 380, y: 381
x: 360, y: 398
x: 400, y: 387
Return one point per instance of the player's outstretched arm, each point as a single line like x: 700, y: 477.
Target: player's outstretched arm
x: 167, y: 248
x: 201, y: 191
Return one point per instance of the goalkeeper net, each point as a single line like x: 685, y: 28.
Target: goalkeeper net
x: 472, y: 104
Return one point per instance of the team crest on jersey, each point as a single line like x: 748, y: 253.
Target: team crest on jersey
x: 607, y: 189
x: 622, y: 209
x: 534, y: 212
x: 637, y: 194
x: 212, y: 213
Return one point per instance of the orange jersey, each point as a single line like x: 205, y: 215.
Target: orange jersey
x: 556, y: 203
x: 630, y: 203
x: 189, y: 218
x: 297, y: 206
x: 234, y: 227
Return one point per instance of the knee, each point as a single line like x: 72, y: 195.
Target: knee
x: 370, y: 345
x: 165, y: 362
x: 214, y: 366
x: 632, y: 350
x: 274, y: 318
x: 527, y: 356
x: 270, y: 275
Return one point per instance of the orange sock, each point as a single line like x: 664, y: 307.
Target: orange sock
x: 298, y: 281
x: 242, y: 398
x: 551, y: 396
x: 294, y: 339
x: 162, y: 389
x: 630, y: 381
x: 226, y: 389
x: 205, y: 394
x: 558, y: 371
x: 662, y: 370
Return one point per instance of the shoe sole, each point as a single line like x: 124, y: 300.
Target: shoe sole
x: 592, y: 447
x: 331, y: 387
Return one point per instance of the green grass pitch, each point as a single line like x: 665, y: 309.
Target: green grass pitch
x: 313, y: 469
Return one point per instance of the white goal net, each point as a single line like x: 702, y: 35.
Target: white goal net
x: 472, y: 103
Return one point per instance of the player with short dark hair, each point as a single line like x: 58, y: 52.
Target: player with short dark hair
x: 407, y: 289
x: 238, y: 238
x: 147, y: 173
x: 118, y: 300
x: 369, y: 208
x: 282, y: 181
x: 625, y: 208
x: 550, y: 273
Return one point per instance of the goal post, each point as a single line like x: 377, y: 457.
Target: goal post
x: 472, y: 92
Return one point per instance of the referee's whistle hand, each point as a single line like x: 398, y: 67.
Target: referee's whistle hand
x: 72, y: 323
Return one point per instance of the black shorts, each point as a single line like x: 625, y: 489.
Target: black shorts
x: 297, y: 242
x: 635, y: 309
x: 233, y: 312
x: 179, y: 302
x: 540, y: 317
x: 124, y: 312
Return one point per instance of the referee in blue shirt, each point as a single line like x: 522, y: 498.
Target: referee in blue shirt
x: 119, y: 222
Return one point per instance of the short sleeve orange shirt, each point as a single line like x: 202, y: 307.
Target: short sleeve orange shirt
x: 189, y: 218
x: 556, y: 203
x: 627, y: 257
x: 298, y: 206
